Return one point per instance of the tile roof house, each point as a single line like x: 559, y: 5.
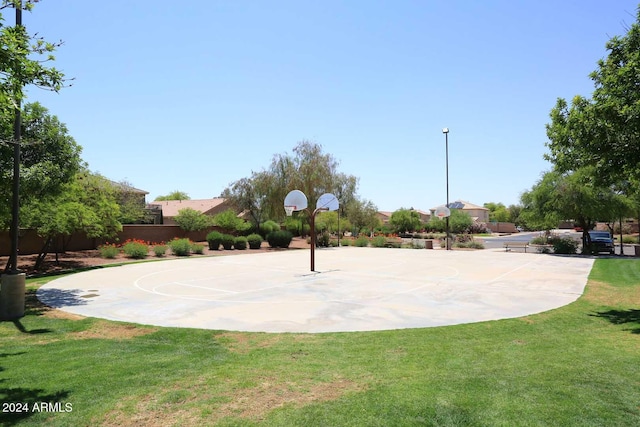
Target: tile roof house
x: 170, y: 208
x: 477, y: 213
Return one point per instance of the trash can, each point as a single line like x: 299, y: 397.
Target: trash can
x: 637, y: 248
x: 428, y: 244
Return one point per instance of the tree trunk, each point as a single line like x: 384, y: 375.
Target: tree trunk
x: 43, y: 253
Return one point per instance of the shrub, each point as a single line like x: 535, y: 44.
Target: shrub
x: 180, y: 247
x: 379, y: 242
x: 190, y: 219
x: 254, y: 240
x: 269, y: 227
x: 323, y: 240
x: 279, y: 239
x: 240, y: 243
x: 214, y: 239
x: 108, y: 251
x: 564, y: 245
x: 416, y: 244
x: 361, y: 242
x: 136, y: 249
x: 227, y: 241
x: 160, y: 250
x: 469, y: 245
x: 346, y: 242
x: 197, y: 248
x: 539, y: 240
x: 297, y: 226
x: 477, y: 228
x: 229, y: 222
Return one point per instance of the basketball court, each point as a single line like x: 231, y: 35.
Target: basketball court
x: 352, y: 289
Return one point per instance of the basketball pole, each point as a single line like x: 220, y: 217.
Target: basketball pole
x: 313, y: 236
x: 446, y: 142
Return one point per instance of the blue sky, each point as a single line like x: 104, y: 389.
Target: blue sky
x: 193, y: 95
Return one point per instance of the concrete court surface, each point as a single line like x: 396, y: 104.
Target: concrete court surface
x: 353, y: 289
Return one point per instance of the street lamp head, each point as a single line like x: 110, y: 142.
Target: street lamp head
x: 445, y: 130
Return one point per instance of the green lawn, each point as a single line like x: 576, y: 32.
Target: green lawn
x: 575, y: 366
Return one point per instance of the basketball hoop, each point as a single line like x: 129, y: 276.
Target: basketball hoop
x: 289, y: 210
x: 442, y: 212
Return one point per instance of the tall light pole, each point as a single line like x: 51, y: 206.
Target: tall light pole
x: 446, y: 144
x: 12, y: 289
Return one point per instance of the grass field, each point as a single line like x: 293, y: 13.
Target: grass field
x: 578, y: 365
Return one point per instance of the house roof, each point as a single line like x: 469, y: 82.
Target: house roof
x: 170, y: 208
x: 464, y: 205
x: 468, y: 205
x: 124, y: 187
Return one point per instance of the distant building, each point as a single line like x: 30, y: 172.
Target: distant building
x: 477, y: 213
x: 170, y: 208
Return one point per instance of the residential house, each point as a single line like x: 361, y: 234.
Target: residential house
x: 477, y: 213
x: 170, y: 208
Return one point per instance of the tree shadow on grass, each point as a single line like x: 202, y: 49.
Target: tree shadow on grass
x: 20, y: 403
x: 620, y: 317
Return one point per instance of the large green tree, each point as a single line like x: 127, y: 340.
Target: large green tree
x: 50, y: 158
x: 87, y: 204
x: 24, y: 59
x: 308, y: 169
x: 574, y: 196
x: 405, y: 220
x: 363, y: 215
x: 603, y: 132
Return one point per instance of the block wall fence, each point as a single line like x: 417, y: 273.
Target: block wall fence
x: 31, y: 243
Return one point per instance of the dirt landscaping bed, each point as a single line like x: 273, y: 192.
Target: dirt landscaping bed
x: 75, y: 260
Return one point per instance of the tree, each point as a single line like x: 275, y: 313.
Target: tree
x: 363, y: 215
x: 250, y: 195
x: 514, y: 214
x: 87, y: 204
x: 20, y: 60
x: 308, y: 169
x: 574, y: 196
x: 190, y: 219
x: 229, y: 222
x: 603, y: 132
x: 132, y: 206
x: 50, y: 158
x: 459, y: 222
x: 498, y: 212
x: 329, y: 221
x: 405, y: 220
x: 174, y: 195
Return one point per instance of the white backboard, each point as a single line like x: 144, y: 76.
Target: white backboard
x: 442, y: 212
x: 327, y: 201
x: 296, y: 198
